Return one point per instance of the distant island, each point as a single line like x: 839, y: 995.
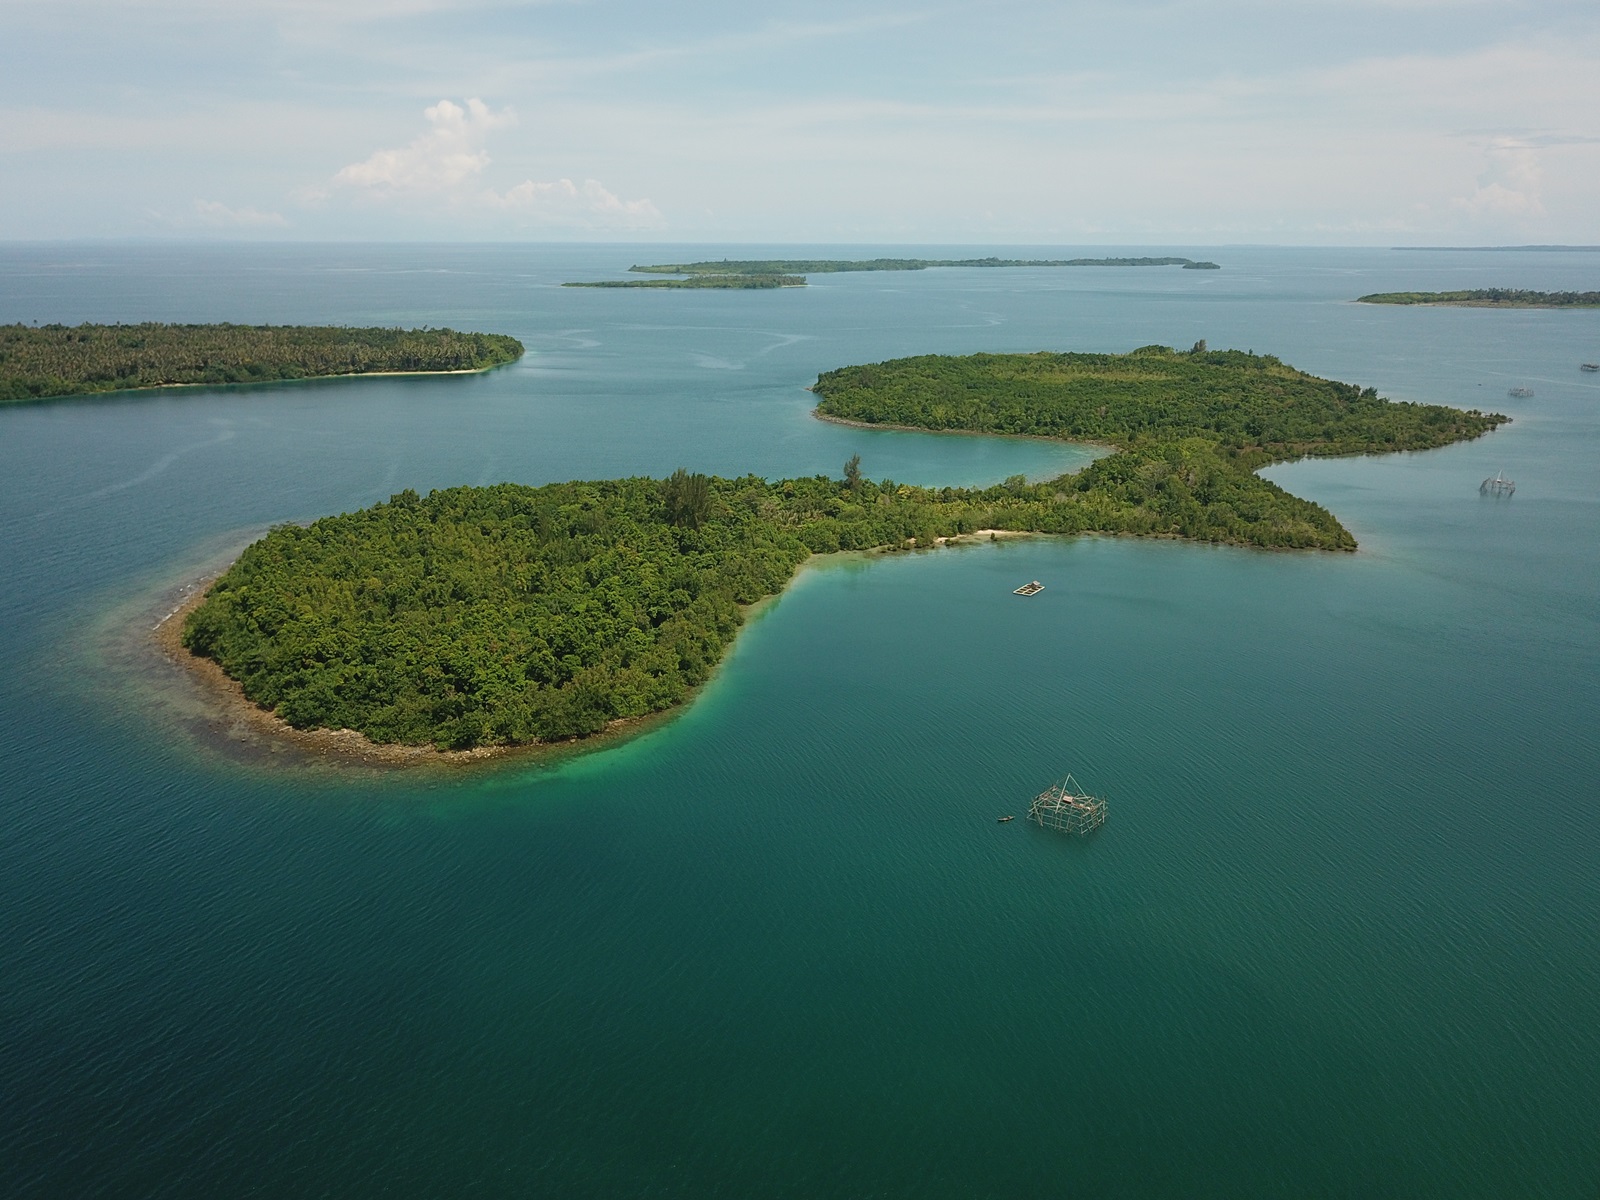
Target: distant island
x: 826, y: 266
x: 1488, y: 298
x: 792, y: 272
x: 42, y: 361
x: 701, y: 281
x: 481, y: 617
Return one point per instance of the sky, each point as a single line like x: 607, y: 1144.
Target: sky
x: 1206, y: 122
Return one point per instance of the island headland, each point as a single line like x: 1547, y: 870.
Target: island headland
x: 41, y: 362
x: 479, y: 617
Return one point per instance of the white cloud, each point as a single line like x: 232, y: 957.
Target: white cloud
x: 565, y: 202
x: 1254, y: 119
x: 1509, y: 185
x: 443, y: 165
x: 448, y: 153
x: 220, y: 216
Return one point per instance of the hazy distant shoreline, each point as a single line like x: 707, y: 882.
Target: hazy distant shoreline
x: 1500, y: 249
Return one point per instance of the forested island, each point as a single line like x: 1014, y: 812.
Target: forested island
x: 826, y: 266
x: 42, y: 361
x: 735, y: 281
x: 792, y: 272
x: 508, y: 615
x: 1488, y: 298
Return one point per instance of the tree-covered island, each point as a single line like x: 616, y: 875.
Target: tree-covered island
x: 1488, y: 298
x: 508, y: 615
x: 41, y: 361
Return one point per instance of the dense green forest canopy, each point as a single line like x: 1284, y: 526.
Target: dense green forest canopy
x: 69, y: 360
x: 825, y: 266
x: 509, y: 614
x: 736, y: 281
x: 1489, y: 298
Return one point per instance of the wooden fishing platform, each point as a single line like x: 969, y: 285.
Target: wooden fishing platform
x: 1029, y: 589
x: 1498, y: 486
x: 1065, y: 806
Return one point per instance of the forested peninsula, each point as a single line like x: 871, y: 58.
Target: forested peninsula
x: 508, y: 615
x: 41, y: 361
x: 1488, y: 298
x: 1191, y: 429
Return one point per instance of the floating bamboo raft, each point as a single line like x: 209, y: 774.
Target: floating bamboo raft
x: 1498, y: 486
x: 1067, y: 807
x: 1029, y: 589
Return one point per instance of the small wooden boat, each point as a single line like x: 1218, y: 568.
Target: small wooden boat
x: 1003, y: 820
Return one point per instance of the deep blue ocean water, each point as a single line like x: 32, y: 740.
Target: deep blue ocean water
x: 1339, y: 937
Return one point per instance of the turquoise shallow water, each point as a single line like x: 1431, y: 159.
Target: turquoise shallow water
x: 1340, y: 935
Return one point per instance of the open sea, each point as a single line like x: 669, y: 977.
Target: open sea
x: 1340, y: 936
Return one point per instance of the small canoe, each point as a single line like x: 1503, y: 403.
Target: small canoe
x: 1003, y: 820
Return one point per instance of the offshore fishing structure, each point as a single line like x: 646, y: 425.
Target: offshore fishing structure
x: 1498, y: 486
x: 1067, y: 807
